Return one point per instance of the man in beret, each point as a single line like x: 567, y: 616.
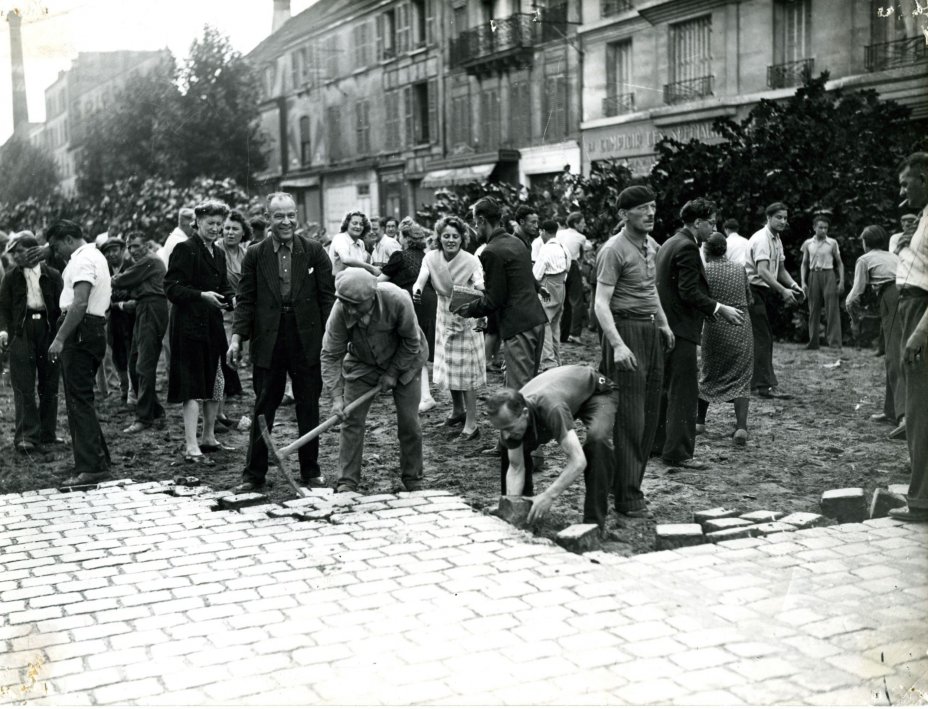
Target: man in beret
x: 635, y: 336
x: 372, y: 339
x: 28, y: 320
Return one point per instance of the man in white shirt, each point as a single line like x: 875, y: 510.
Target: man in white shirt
x: 573, y: 239
x: 821, y: 260
x: 550, y: 270
x: 737, y: 244
x: 912, y: 283
x: 384, y: 245
x: 183, y: 231
x: 80, y: 344
x: 908, y: 222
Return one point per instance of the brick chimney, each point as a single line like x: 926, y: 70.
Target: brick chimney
x: 281, y: 14
x: 20, y: 107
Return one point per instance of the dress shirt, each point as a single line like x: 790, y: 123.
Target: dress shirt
x: 737, y: 248
x: 873, y: 268
x: 284, y: 251
x: 87, y: 265
x: 344, y: 247
x: 764, y: 245
x: 631, y: 270
x: 552, y: 259
x: 575, y: 242
x: 822, y: 253
x: 384, y: 249
x: 34, y: 299
x: 913, y: 259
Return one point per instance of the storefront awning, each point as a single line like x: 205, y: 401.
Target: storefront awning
x: 457, y: 175
x: 312, y: 181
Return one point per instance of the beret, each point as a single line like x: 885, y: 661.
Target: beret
x: 635, y: 196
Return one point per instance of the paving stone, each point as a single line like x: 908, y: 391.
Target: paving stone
x: 246, y: 499
x: 845, y: 504
x: 804, y: 520
x: 725, y: 535
x: 580, y: 538
x: 883, y: 501
x: 514, y: 510
x: 714, y: 513
x: 760, y: 516
x: 722, y: 523
x: 899, y: 489
x: 674, y: 536
x: 762, y: 530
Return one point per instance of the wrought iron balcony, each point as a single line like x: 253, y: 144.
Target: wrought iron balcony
x: 902, y: 52
x: 781, y: 76
x: 618, y: 104
x: 687, y: 90
x: 608, y: 8
x: 496, y: 45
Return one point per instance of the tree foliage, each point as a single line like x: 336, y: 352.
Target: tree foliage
x: 28, y: 172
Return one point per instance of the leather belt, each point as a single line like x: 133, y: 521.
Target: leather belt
x: 819, y: 268
x: 287, y: 309
x: 633, y: 316
x: 912, y: 292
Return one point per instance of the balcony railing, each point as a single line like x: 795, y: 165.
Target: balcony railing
x: 608, y: 8
x: 493, y: 40
x: 902, y: 52
x: 619, y: 104
x: 682, y: 91
x: 781, y: 76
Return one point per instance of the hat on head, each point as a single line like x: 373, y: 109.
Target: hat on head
x: 110, y: 243
x: 635, y: 196
x: 355, y: 285
x: 26, y: 238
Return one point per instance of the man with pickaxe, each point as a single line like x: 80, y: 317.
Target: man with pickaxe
x: 372, y: 340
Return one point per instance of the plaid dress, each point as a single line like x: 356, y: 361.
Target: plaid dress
x: 460, y: 363
x: 727, y: 350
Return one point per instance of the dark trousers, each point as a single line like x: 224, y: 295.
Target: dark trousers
x: 912, y: 308
x: 269, y: 384
x: 119, y: 334
x: 761, y: 310
x: 823, y: 291
x: 891, y: 332
x: 523, y: 356
x: 572, y: 317
x: 80, y: 359
x: 151, y: 322
x: 676, y: 430
x: 29, y: 364
x: 638, y: 407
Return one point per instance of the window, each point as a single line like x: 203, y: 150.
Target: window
x: 330, y: 50
x: 520, y: 126
x: 902, y: 24
x: 421, y: 112
x: 305, y: 155
x: 460, y: 120
x: 269, y: 80
x: 792, y: 22
x: 364, y: 190
x: 619, y: 96
x: 489, y: 120
x: 361, y: 38
x: 296, y: 69
x: 386, y: 35
x: 333, y: 128
x: 421, y: 21
x: 608, y: 8
x: 555, y: 113
x: 459, y: 20
x: 691, y: 49
x: 402, y: 28
x: 362, y: 125
x: 392, y: 107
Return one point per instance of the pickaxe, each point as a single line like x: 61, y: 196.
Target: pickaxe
x: 279, y: 457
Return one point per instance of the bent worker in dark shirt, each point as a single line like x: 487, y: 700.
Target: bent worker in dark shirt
x: 545, y: 409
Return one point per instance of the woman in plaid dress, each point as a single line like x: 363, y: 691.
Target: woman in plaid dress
x: 460, y: 364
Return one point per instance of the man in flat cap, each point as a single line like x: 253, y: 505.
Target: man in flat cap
x: 635, y: 334
x: 121, y: 320
x: 372, y: 339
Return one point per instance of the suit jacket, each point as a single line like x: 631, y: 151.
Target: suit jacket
x: 258, y: 302
x: 13, y: 298
x: 682, y: 286
x: 510, y: 288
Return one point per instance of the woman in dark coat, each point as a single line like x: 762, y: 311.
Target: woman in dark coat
x: 198, y: 286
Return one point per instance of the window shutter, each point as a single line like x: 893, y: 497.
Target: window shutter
x: 402, y: 27
x: 409, y: 115
x: 380, y: 45
x: 612, y: 51
x: 432, y: 128
x: 429, y: 22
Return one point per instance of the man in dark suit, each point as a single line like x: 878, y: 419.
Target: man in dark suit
x: 684, y: 294
x: 284, y: 298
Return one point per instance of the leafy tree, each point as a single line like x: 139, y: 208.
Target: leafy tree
x: 28, y: 172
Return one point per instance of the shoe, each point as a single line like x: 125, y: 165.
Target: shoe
x: 574, y: 340
x: 87, y: 479
x: 898, y: 433
x: 492, y: 451
x: 198, y: 459
x: 413, y: 485
x: 774, y: 393
x: 427, y: 405
x: 25, y: 447
x: 160, y: 423
x: 689, y: 463
x: 248, y: 486
x: 741, y: 437
x: 907, y: 514
x: 472, y: 436
x: 810, y: 346
x: 137, y: 427
x: 879, y: 418
x: 700, y: 429
x: 762, y: 392
x: 639, y: 514
x: 345, y: 488
x: 313, y: 482
x: 214, y: 447
x: 52, y: 442
x: 225, y: 421
x: 455, y: 419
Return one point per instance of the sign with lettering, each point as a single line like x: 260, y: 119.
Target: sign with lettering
x: 639, y: 139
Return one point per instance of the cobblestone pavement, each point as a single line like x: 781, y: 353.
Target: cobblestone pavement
x: 131, y: 596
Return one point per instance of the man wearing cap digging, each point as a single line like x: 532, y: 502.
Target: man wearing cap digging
x: 635, y: 334
x: 372, y: 339
x: 28, y: 316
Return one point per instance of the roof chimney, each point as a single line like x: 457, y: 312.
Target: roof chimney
x: 20, y: 107
x: 281, y: 14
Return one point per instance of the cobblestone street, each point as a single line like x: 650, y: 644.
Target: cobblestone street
x: 125, y: 594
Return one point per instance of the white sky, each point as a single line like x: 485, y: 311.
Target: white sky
x: 54, y: 31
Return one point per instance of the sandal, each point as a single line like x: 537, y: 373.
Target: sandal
x: 214, y: 447
x: 198, y: 459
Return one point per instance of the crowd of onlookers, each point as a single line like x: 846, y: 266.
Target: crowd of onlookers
x: 393, y: 306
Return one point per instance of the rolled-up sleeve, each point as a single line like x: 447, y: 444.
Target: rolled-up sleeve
x: 334, y: 347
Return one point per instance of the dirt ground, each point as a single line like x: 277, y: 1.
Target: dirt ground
x: 821, y: 440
